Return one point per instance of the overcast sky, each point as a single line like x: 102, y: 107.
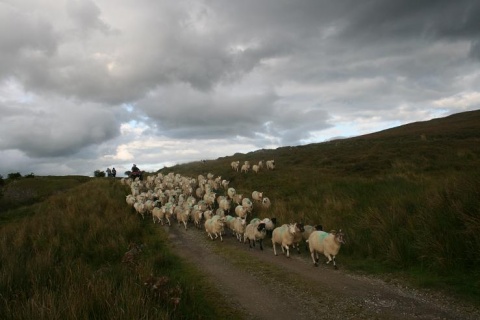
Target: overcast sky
x: 91, y: 84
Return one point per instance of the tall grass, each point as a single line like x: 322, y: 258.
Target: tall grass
x: 408, y: 203
x: 65, y: 262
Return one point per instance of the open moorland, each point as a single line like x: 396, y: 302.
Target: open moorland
x: 407, y: 200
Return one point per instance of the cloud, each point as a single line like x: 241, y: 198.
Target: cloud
x: 89, y: 84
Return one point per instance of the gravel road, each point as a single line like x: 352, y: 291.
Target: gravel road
x: 265, y: 286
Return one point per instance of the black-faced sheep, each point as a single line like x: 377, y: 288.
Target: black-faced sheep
x: 255, y: 232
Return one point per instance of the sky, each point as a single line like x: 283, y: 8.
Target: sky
x: 88, y: 85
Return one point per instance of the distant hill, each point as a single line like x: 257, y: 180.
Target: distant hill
x: 459, y: 125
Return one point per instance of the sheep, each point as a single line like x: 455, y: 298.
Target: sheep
x: 270, y: 164
x: 308, y: 231
x: 266, y: 203
x: 327, y: 243
x: 158, y: 214
x: 183, y: 216
x: 220, y: 212
x: 140, y: 208
x: 235, y: 165
x: 197, y: 215
x: 269, y: 224
x: 225, y: 184
x: 245, y: 168
x: 231, y: 192
x: 241, y: 212
x: 257, y: 196
x: 239, y: 227
x: 255, y: 232
x: 284, y: 236
x: 168, y: 210
x: 255, y: 168
x: 247, y: 204
x: 207, y: 214
x: 229, y: 220
x: 237, y: 198
x: 297, y: 239
x: 225, y: 204
x: 215, y: 225
x: 260, y: 164
x: 130, y: 199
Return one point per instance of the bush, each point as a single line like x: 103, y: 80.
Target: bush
x: 14, y: 175
x: 98, y: 174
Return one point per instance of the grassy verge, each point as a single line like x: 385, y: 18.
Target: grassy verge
x: 65, y: 261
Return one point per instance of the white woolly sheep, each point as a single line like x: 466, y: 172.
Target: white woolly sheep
x: 327, y: 243
x: 270, y: 164
x: 235, y: 165
x: 237, y: 198
x: 255, y: 232
x: 255, y: 168
x: 247, y: 204
x: 207, y: 214
x: 215, y: 225
x: 158, y: 214
x: 266, y: 203
x: 245, y: 168
x: 257, y: 196
x: 231, y: 192
x: 308, y: 231
x: 168, y: 210
x: 130, y: 199
x: 183, y: 217
x: 284, y: 236
x: 140, y: 208
x: 241, y: 212
x: 298, y: 237
x: 239, y: 225
x: 225, y: 204
x: 225, y: 184
x: 197, y: 215
x: 229, y: 222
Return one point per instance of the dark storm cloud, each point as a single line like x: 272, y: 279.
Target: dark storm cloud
x: 147, y: 75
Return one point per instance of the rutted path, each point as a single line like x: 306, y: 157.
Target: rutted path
x: 297, y: 290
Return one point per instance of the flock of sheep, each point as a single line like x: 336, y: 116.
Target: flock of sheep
x: 210, y: 202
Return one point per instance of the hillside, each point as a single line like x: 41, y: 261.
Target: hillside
x: 407, y: 198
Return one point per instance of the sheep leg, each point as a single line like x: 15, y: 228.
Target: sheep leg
x: 221, y: 239
x: 274, y: 250
x: 261, y: 244
x: 288, y: 251
x: 312, y: 254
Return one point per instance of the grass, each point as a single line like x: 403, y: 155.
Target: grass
x: 64, y: 261
x: 407, y: 198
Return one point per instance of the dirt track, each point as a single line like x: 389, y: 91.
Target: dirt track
x: 307, y: 292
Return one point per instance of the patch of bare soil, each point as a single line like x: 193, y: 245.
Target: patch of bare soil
x: 305, y: 292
